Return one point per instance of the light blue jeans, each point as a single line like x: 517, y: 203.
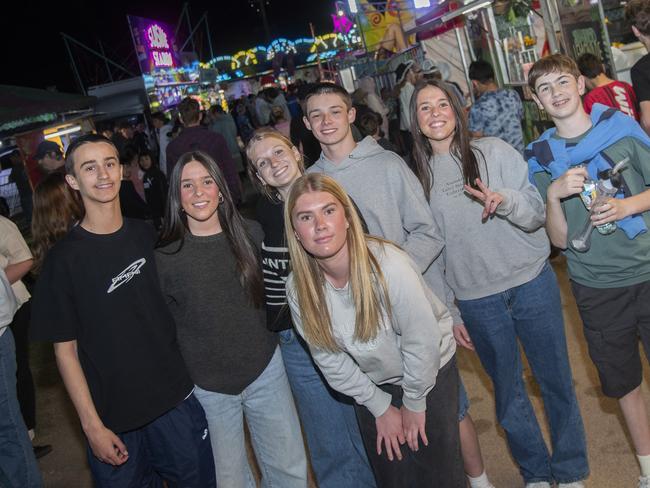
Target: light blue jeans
x: 336, y: 448
x: 531, y: 314
x: 17, y: 462
x: 273, y: 423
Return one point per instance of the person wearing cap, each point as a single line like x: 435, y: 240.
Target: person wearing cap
x: 49, y: 157
x: 405, y: 77
x: 374, y: 101
x: 432, y: 71
x: 497, y: 112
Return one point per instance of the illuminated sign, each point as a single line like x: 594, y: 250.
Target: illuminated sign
x: 157, y: 37
x: 166, y: 81
x: 154, y: 44
x: 159, y: 47
x: 342, y: 24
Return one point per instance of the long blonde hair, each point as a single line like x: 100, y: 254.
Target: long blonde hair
x: 367, y: 283
x: 253, y: 174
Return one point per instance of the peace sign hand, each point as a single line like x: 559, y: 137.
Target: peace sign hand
x: 491, y: 200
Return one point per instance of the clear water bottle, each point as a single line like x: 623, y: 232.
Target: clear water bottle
x: 593, y: 195
x: 605, y: 191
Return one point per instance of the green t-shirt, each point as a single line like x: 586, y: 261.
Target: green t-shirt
x: 613, y: 260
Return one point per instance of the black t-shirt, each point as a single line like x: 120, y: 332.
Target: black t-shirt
x: 641, y: 79
x: 155, y: 191
x: 275, y: 263
x: 131, y: 203
x: 103, y: 292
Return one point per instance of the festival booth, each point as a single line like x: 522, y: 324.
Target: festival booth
x: 598, y: 27
x: 27, y: 117
x: 119, y: 99
x: 510, y: 34
x: 395, y: 32
x: 513, y: 34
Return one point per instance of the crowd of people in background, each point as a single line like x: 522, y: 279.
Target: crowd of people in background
x: 335, y: 305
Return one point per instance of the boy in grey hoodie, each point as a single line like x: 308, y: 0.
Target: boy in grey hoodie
x: 383, y: 187
x: 393, y: 205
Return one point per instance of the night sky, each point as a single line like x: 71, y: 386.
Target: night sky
x: 42, y: 61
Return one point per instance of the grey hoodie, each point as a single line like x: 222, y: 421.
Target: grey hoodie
x: 413, y: 343
x: 507, y: 250
x: 394, y: 207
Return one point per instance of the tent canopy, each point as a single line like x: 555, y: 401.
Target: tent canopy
x: 23, y: 106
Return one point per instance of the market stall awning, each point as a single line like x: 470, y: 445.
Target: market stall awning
x: 22, y: 106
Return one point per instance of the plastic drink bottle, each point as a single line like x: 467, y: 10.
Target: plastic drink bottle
x: 605, y: 191
x: 593, y: 195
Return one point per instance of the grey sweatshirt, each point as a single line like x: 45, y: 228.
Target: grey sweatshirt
x: 394, y: 207
x: 412, y: 345
x: 508, y: 250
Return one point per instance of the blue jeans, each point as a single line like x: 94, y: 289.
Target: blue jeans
x: 336, y: 448
x: 17, y: 462
x: 532, y: 313
x: 275, y: 432
x: 463, y: 400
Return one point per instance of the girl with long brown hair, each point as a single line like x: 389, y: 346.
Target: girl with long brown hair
x: 208, y: 261
x: 378, y: 334
x: 57, y: 207
x: 496, y: 257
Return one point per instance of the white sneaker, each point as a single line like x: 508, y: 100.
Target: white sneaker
x: 644, y: 482
x: 575, y: 484
x: 487, y: 484
x: 480, y: 482
x: 538, y: 484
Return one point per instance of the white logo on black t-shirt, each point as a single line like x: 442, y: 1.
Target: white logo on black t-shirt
x: 125, y: 276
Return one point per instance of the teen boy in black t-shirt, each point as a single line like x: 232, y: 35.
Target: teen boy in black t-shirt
x: 98, y: 299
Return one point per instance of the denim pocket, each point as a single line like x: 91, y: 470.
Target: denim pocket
x: 287, y: 336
